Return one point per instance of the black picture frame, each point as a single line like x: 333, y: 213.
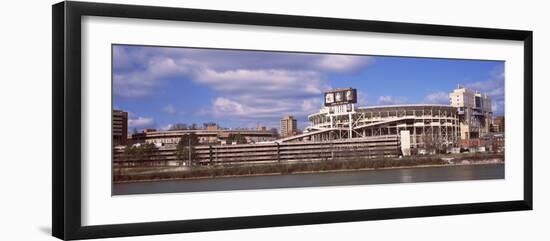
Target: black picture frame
x: 66, y: 127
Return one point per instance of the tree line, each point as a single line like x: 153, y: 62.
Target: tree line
x: 193, y: 126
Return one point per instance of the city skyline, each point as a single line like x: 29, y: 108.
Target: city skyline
x: 160, y: 86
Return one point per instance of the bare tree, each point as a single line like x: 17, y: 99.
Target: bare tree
x: 433, y: 144
x: 185, y: 150
x: 178, y: 126
x: 237, y: 138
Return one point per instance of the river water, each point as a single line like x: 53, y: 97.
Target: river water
x: 386, y: 176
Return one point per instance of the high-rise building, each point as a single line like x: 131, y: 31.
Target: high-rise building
x: 289, y: 126
x: 120, y: 127
x: 474, y: 111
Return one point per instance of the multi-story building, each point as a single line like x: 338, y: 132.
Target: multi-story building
x: 289, y: 126
x: 120, y: 127
x: 474, y: 111
x: 498, y: 124
x: 212, y: 127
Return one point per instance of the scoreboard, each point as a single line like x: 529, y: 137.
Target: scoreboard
x: 340, y: 97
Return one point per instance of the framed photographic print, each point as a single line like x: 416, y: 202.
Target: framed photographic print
x: 170, y: 120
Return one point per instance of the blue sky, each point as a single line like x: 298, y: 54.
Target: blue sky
x: 160, y: 86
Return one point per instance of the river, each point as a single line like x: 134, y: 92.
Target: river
x: 385, y: 176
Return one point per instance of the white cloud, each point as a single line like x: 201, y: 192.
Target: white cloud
x: 253, y: 86
x: 166, y: 127
x: 342, y: 63
x: 263, y: 95
x: 362, y: 98
x: 310, y: 106
x: 250, y: 111
x: 140, y: 70
x: 494, y: 87
x: 389, y: 100
x: 121, y: 59
x: 498, y: 107
x: 222, y: 105
x: 141, y: 122
x: 142, y: 82
x: 440, y: 97
x: 385, y: 100
x: 266, y: 83
x: 170, y: 109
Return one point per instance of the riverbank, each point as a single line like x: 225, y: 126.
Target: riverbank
x: 131, y: 175
x: 443, y: 173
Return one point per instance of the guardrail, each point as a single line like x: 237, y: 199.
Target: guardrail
x: 268, y: 152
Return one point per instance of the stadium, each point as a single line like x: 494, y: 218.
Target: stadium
x: 420, y: 125
x: 438, y: 122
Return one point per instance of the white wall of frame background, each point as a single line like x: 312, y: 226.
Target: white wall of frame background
x: 25, y: 97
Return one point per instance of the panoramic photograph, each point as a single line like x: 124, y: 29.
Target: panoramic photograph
x: 202, y: 119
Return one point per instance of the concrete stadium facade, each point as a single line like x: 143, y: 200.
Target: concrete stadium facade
x: 424, y: 123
